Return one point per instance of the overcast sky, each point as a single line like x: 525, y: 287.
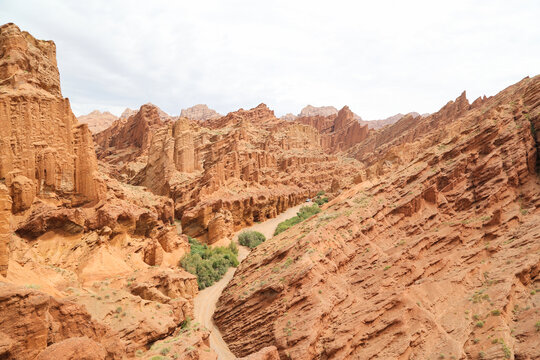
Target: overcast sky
x: 378, y: 57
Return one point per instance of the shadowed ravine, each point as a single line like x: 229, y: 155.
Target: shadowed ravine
x: 205, y: 302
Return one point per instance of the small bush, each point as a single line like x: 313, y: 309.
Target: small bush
x: 320, y: 200
x: 304, y: 213
x: 186, y: 324
x: 480, y: 324
x: 209, y: 264
x: 251, y: 239
x: 320, y: 193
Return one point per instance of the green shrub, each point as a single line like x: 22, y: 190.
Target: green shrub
x: 209, y: 264
x: 251, y: 239
x: 304, y: 213
x: 320, y: 193
x: 320, y: 200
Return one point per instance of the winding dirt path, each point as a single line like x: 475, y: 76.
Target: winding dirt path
x: 205, y: 302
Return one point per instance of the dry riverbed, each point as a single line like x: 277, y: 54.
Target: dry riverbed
x: 205, y: 302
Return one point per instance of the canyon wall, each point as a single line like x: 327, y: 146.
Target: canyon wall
x: 436, y: 255
x: 39, y: 136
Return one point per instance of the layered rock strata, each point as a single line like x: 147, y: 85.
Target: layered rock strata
x: 434, y: 255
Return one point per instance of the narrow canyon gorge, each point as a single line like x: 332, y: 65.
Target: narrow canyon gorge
x: 411, y: 237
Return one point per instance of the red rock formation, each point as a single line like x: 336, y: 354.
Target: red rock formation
x: 81, y: 348
x: 5, y: 231
x: 267, y: 353
x: 18, y: 73
x: 437, y: 258
x: 32, y: 320
x: 97, y: 121
x: 199, y: 112
x: 228, y: 172
x: 128, y: 139
x: 125, y: 234
x: 338, y: 132
x: 39, y: 136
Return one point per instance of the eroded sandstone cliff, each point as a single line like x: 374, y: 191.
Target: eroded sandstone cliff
x: 41, y: 144
x: 434, y: 254
x: 228, y: 172
x: 88, y: 265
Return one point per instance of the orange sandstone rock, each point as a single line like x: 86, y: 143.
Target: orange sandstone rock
x: 436, y: 252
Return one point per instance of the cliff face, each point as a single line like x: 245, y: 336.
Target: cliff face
x: 40, y: 139
x: 129, y: 138
x: 338, y: 132
x: 20, y: 53
x: 436, y: 255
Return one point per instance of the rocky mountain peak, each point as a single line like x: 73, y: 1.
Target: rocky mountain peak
x: 20, y: 53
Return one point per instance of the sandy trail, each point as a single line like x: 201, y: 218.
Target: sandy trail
x: 205, y: 302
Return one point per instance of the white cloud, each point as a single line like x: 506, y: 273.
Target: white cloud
x: 378, y: 57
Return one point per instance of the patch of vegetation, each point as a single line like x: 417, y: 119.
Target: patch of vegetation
x: 320, y: 199
x: 304, y: 213
x: 480, y: 324
x: 186, y: 324
x: 209, y: 264
x: 479, y: 296
x: 251, y: 238
x: 537, y: 326
x: 495, y: 312
x: 506, y: 350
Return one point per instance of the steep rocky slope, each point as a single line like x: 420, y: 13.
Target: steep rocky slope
x: 97, y: 121
x: 435, y: 254
x: 339, y: 132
